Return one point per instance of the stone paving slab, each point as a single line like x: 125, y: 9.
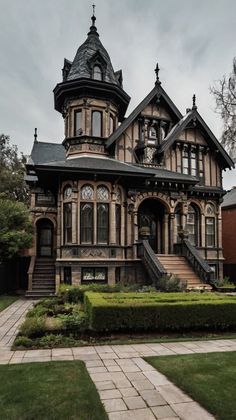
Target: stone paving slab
x: 129, y: 387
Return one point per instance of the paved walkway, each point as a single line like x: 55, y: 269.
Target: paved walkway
x: 128, y: 386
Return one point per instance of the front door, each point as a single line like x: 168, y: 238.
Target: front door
x: 148, y: 228
x: 45, y: 239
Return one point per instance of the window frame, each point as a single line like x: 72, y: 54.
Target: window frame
x: 67, y: 227
x: 210, y: 235
x: 93, y: 72
x: 93, y: 279
x: 77, y: 111
x: 195, y: 224
x: 101, y: 123
x: 84, y: 228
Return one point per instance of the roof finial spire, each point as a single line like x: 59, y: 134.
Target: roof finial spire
x: 93, y: 17
x: 93, y: 29
x: 157, y: 69
x: 194, y: 102
x: 35, y: 135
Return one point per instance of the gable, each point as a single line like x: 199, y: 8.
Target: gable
x: 157, y: 96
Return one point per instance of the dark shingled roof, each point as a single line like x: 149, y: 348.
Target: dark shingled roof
x: 230, y: 199
x: 44, y: 156
x: 157, y: 90
x: 47, y: 152
x: 91, y: 49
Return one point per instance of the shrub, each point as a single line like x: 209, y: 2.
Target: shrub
x: 75, y: 294
x: 33, y: 327
x: 171, y: 284
x: 76, y: 323
x: 22, y: 341
x: 53, y: 324
x: 159, y: 311
x: 58, y: 340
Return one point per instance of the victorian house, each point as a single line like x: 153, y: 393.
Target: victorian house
x: 123, y: 199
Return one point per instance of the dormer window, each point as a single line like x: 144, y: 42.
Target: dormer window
x: 97, y: 72
x: 152, y: 132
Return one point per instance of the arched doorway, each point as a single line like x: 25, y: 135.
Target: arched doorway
x: 44, y: 238
x: 152, y: 224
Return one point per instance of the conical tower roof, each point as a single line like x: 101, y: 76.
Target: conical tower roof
x: 89, y: 53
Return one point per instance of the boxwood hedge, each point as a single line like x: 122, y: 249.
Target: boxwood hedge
x: 159, y: 311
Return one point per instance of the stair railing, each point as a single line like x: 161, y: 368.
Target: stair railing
x: 199, y: 265
x: 30, y: 272
x: 153, y: 266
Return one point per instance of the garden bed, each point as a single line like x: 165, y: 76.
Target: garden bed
x: 80, y: 317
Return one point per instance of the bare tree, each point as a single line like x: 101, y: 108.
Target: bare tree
x: 225, y: 95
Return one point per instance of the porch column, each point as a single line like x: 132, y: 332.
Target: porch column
x: 166, y: 235
x: 135, y: 231
x: 171, y: 247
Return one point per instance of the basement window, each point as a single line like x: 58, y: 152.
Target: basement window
x: 94, y: 275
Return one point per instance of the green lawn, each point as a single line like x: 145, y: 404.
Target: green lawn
x: 208, y: 378
x: 6, y: 301
x: 52, y: 390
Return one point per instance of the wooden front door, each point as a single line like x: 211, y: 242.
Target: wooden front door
x: 45, y: 239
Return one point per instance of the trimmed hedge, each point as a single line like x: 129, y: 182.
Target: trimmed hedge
x: 159, y: 312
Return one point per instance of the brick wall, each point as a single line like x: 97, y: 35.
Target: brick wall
x: 229, y: 234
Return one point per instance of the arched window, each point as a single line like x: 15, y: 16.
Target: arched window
x: 67, y: 192
x: 210, y: 226
x: 193, y: 225
x: 86, y: 223
x: 67, y: 223
x: 102, y: 223
x: 102, y: 193
x: 97, y: 124
x: 97, y: 72
x: 87, y: 192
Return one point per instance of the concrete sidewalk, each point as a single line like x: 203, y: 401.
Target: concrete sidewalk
x: 128, y: 386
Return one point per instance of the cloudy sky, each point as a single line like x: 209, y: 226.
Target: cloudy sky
x: 193, y: 42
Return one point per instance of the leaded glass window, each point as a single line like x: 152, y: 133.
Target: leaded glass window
x: 102, y: 223
x: 86, y: 223
x: 87, y: 192
x: 67, y: 192
x: 118, y: 195
x: 102, y: 193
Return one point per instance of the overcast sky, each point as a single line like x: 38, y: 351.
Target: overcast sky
x: 193, y: 42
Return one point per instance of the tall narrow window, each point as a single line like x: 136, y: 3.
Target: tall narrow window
x: 185, y: 161
x: 112, y: 125
x: 86, y: 223
x: 102, y: 223
x: 210, y: 232
x: 193, y: 225
x: 67, y: 223
x: 97, y: 124
x: 118, y: 224
x: 78, y: 123
x: 97, y: 73
x: 193, y: 163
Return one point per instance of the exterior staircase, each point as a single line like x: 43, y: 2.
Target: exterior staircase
x: 43, y: 281
x: 179, y: 266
